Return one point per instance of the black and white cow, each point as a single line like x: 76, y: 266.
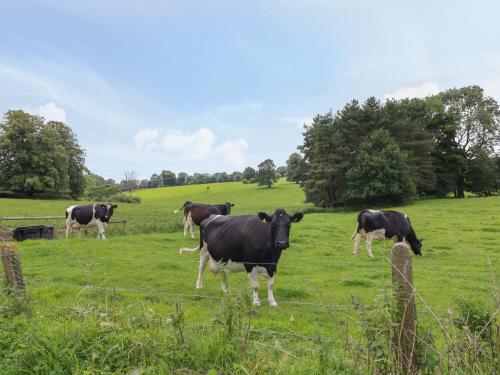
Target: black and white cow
x: 81, y: 216
x: 195, y: 213
x: 250, y: 243
x: 380, y: 225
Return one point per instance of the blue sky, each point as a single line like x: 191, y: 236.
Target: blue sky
x: 208, y: 86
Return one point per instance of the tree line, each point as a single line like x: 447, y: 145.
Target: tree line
x: 266, y: 174
x: 375, y: 152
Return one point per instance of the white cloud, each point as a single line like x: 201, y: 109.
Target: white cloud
x: 195, y: 145
x: 145, y: 138
x: 297, y: 121
x: 233, y: 152
x: 50, y: 112
x: 420, y: 91
x: 177, y: 147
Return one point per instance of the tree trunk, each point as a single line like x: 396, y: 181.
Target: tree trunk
x: 460, y: 190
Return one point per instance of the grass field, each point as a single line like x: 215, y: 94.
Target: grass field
x: 75, y: 285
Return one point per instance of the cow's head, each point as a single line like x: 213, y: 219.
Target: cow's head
x: 416, y: 246
x: 107, y: 212
x: 228, y: 207
x: 280, y: 223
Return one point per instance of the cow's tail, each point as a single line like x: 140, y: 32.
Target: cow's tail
x: 187, y: 250
x: 184, y: 205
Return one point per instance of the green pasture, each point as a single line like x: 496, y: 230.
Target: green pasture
x: 155, y: 212
x: 143, y: 274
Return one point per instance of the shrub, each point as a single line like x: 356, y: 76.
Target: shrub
x: 123, y: 198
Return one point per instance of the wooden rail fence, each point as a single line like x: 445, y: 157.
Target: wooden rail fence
x: 60, y: 222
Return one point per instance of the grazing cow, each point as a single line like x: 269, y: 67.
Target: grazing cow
x: 380, y: 225
x: 251, y: 243
x: 195, y: 213
x: 98, y: 214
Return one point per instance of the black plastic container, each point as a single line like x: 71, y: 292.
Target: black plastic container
x: 34, y: 232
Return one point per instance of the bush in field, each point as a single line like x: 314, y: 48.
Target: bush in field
x: 101, y: 192
x: 124, y: 198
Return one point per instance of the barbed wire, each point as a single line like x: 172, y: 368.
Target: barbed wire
x: 349, y: 307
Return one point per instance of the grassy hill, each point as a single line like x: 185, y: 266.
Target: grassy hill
x: 110, y: 305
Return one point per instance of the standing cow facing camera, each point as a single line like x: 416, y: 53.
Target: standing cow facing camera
x: 81, y: 216
x: 380, y: 225
x: 249, y: 243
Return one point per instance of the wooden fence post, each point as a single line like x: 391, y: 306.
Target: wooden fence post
x: 12, y: 269
x: 402, y: 280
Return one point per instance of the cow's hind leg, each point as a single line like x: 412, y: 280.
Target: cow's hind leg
x: 369, y: 239
x: 203, y: 264
x: 254, y: 282
x: 191, y: 224
x: 223, y: 283
x: 357, y: 243
x: 185, y: 225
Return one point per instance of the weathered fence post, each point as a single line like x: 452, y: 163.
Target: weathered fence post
x: 12, y: 269
x: 402, y: 280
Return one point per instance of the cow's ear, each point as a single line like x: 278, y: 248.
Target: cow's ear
x: 115, y: 206
x: 232, y: 204
x: 265, y: 217
x: 296, y: 217
x: 421, y: 239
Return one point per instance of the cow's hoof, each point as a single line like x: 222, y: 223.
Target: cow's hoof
x: 273, y: 304
x: 198, y: 286
x: 354, y: 254
x: 256, y: 303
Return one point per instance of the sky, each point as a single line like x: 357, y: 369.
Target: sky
x: 211, y: 86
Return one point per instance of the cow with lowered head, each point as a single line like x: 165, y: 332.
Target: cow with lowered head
x: 249, y: 243
x: 195, y: 213
x: 92, y: 214
x: 380, y: 225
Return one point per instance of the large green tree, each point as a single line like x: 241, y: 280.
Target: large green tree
x: 266, y: 176
x: 477, y: 127
x: 249, y: 173
x: 76, y: 155
x: 294, y: 168
x: 168, y: 178
x: 379, y: 172
x: 39, y: 158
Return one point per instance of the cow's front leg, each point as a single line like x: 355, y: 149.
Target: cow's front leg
x: 100, y: 230
x: 254, y: 283
x: 202, y: 266
x: 270, y: 295
x: 369, y: 239
x: 223, y: 283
